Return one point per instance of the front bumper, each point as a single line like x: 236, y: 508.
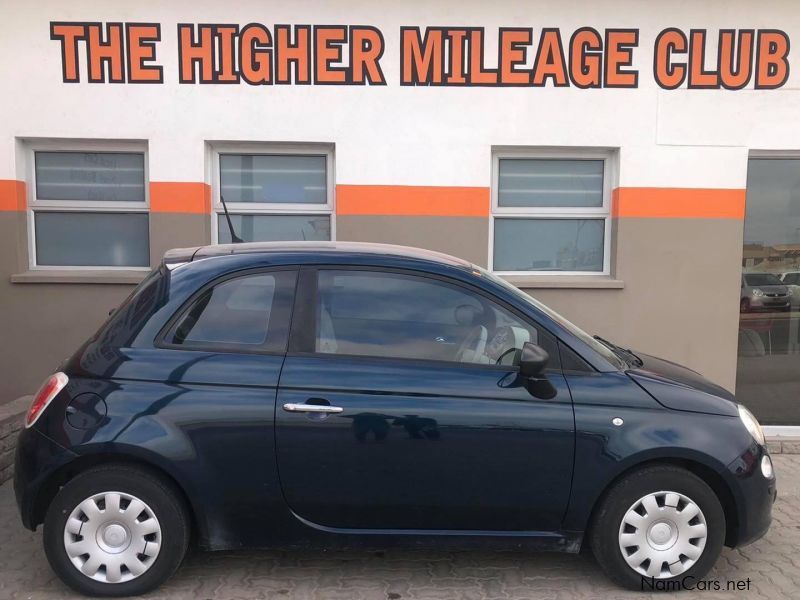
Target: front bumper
x: 764, y: 303
x: 754, y: 495
x: 37, y: 459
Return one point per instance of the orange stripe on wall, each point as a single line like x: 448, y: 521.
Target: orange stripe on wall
x: 12, y: 195
x: 412, y: 200
x: 679, y: 203
x: 180, y: 197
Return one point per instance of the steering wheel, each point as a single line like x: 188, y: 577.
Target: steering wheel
x: 476, y: 337
x: 500, y: 358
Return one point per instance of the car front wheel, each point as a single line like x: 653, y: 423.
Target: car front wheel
x: 657, y: 527
x: 115, y: 531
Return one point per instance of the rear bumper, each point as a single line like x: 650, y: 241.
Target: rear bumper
x: 755, y: 495
x: 37, y: 459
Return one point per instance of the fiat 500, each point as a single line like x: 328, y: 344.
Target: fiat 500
x: 334, y: 394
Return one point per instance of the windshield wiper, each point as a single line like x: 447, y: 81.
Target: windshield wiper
x: 636, y: 361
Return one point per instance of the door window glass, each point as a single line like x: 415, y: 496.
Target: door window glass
x: 246, y: 312
x: 369, y: 313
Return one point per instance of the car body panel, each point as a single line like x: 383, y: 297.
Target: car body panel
x: 679, y: 388
x: 479, y: 453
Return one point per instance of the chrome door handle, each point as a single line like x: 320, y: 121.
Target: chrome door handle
x: 312, y: 408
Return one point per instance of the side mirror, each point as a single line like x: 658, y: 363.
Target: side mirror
x: 532, y: 363
x: 533, y: 360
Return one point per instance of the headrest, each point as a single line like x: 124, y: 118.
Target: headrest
x: 466, y: 314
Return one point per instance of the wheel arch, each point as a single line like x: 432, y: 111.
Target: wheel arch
x: 63, y: 475
x: 710, y: 476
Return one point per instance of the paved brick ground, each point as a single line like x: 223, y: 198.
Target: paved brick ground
x: 772, y: 564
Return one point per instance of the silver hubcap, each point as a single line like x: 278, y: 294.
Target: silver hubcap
x: 112, y: 537
x: 662, y: 535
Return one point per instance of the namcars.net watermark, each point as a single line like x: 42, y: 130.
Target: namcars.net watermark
x: 651, y: 584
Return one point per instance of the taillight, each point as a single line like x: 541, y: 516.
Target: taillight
x: 49, y: 390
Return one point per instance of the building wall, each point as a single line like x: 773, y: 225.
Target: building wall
x: 413, y: 165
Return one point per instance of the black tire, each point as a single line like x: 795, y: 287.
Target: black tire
x: 605, y: 527
x: 146, y: 485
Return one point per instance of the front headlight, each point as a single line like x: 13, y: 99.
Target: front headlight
x: 751, y: 424
x: 757, y: 292
x: 789, y: 292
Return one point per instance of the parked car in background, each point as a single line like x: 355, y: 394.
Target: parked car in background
x: 764, y: 292
x: 336, y: 394
x: 791, y: 280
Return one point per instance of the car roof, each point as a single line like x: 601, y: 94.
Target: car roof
x: 311, y: 249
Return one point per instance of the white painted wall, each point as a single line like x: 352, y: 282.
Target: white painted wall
x: 404, y: 135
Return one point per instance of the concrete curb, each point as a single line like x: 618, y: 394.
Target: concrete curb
x: 783, y: 445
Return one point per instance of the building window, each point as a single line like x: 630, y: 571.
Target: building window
x: 274, y: 194
x: 768, y: 365
x: 550, y: 213
x: 88, y: 208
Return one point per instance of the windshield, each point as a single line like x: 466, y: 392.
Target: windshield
x: 579, y: 333
x: 762, y: 279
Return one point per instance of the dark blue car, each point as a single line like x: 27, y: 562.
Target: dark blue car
x: 337, y: 394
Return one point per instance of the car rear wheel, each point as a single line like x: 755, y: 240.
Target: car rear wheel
x: 115, y: 531
x: 661, y: 524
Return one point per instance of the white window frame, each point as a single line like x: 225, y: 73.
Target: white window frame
x: 83, y: 206
x: 514, y: 212
x: 271, y: 208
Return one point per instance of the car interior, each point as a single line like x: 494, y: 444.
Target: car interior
x: 438, y: 323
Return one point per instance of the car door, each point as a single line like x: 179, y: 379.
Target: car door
x: 400, y: 406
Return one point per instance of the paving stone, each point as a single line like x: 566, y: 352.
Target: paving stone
x: 772, y: 564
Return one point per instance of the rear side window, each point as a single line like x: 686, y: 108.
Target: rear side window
x: 250, y: 312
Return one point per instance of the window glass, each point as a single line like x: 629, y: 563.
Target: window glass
x: 371, y: 313
x: 271, y: 178
x: 250, y: 311
x: 275, y: 228
x: 550, y: 182
x: 77, y: 239
x: 90, y: 176
x: 548, y: 244
x: 768, y: 369
x: 587, y: 339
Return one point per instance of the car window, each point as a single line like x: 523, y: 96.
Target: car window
x: 579, y: 333
x: 246, y: 312
x: 372, y: 313
x: 756, y: 279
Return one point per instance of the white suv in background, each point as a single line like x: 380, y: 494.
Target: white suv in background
x: 791, y: 280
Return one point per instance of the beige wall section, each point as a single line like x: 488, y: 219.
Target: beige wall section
x: 42, y: 323
x: 681, y: 294
x: 177, y: 230
x: 467, y: 237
